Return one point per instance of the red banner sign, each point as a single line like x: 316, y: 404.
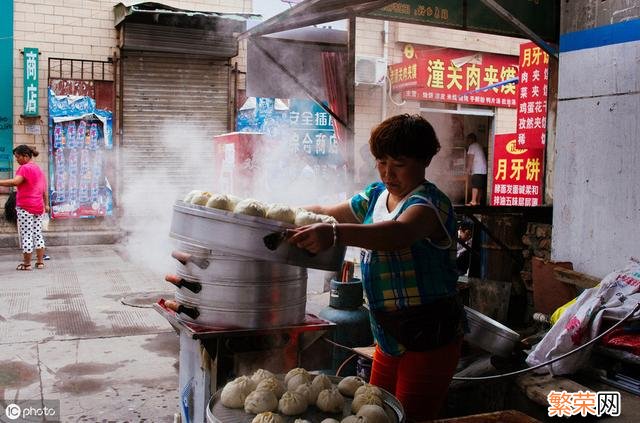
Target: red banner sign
x: 517, y: 173
x: 455, y: 76
x: 532, y: 96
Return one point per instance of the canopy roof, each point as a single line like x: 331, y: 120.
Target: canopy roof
x: 538, y: 21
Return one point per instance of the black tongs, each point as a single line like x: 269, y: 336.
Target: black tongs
x: 273, y: 240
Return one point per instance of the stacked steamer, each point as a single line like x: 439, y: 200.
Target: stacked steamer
x: 225, y: 275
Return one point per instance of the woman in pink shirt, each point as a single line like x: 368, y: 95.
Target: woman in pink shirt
x: 32, y: 201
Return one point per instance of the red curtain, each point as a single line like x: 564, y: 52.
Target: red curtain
x: 334, y: 67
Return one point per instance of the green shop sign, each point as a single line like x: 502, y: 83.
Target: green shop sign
x: 6, y: 89
x: 541, y: 16
x: 30, y: 81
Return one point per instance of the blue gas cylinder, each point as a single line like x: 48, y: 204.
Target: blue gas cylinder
x: 352, y: 323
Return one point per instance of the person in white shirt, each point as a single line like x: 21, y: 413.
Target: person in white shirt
x: 477, y: 168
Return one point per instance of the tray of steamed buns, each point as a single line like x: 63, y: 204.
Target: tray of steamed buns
x: 302, y: 397
x: 239, y: 226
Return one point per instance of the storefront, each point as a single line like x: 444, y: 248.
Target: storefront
x: 446, y: 86
x: 175, y: 97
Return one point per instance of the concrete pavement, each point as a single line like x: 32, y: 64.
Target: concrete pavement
x: 66, y: 335
x: 82, y: 331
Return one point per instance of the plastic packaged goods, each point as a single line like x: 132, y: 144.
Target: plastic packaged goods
x: 93, y: 136
x: 80, y: 134
x: 71, y: 134
x: 57, y: 136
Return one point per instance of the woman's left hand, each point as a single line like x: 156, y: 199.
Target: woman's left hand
x: 47, y: 209
x: 314, y: 238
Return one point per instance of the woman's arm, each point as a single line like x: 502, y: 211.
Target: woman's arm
x: 45, y: 197
x: 415, y: 223
x: 12, y: 182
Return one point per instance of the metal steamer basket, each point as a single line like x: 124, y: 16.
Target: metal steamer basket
x: 242, y: 235
x: 238, y: 292
x: 218, y: 413
x: 490, y: 335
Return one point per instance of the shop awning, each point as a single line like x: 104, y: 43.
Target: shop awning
x: 148, y: 26
x: 538, y: 21
x: 135, y: 10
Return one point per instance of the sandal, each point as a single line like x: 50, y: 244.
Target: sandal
x: 39, y: 265
x: 23, y: 266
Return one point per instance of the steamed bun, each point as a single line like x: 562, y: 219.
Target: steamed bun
x: 305, y: 217
x: 235, y: 392
x: 261, y: 374
x: 368, y: 388
x: 297, y: 380
x: 330, y: 400
x: 292, y: 403
x: 201, y: 198
x: 191, y: 194
x: 373, y: 414
x: 219, y: 201
x: 272, y: 384
x: 251, y: 207
x: 267, y: 417
x: 260, y: 401
x: 281, y: 213
x: 365, y: 399
x: 349, y: 384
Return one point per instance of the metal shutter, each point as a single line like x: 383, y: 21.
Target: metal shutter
x: 173, y: 105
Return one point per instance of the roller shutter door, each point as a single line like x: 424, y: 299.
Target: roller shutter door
x: 172, y: 107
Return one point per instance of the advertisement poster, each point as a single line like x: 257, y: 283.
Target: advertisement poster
x: 304, y: 124
x: 517, y: 173
x: 532, y: 96
x: 80, y: 142
x: 454, y: 76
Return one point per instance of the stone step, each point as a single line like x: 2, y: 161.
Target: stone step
x: 69, y: 238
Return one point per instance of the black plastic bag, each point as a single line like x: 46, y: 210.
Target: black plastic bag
x: 10, y: 208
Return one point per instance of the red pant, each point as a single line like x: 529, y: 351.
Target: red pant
x: 419, y: 380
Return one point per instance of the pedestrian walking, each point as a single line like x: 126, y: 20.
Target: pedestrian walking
x: 32, y: 201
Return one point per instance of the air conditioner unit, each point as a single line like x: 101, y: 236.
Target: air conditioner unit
x: 370, y: 70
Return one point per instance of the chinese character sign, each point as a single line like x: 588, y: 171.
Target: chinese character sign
x: 532, y: 96
x: 455, y: 76
x: 30, y: 81
x: 517, y: 173
x: 311, y: 130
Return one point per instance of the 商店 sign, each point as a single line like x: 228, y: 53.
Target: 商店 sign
x: 30, y: 57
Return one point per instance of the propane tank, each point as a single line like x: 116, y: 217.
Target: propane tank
x: 352, y: 329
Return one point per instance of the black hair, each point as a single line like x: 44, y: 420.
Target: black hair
x: 25, y: 150
x: 465, y: 225
x: 472, y: 136
x: 404, y: 136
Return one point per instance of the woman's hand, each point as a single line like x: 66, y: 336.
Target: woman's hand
x: 47, y: 208
x: 314, y: 238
